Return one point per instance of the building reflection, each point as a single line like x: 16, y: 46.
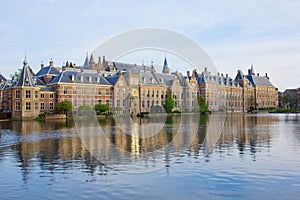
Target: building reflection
x: 55, y: 145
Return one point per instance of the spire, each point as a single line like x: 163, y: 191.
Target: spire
x: 92, y: 60
x: 25, y: 77
x: 252, y: 69
x: 165, y: 67
x: 86, y: 62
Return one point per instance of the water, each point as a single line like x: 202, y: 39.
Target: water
x: 254, y: 156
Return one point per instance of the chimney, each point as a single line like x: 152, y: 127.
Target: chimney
x: 205, y: 69
x: 145, y: 69
x: 99, y: 60
x: 249, y: 71
x: 81, y: 70
x: 51, y: 63
x: 42, y: 65
x: 63, y: 68
x: 267, y: 76
x: 222, y: 74
x: 188, y: 73
x: 103, y: 60
x: 226, y: 75
x: 257, y: 74
x: 218, y: 73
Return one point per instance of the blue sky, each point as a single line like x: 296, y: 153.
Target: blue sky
x: 234, y: 34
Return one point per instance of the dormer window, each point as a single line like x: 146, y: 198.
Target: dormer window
x: 143, y: 79
x: 90, y: 79
x: 162, y: 80
x: 81, y: 78
x: 98, y: 79
x: 72, y: 77
x: 26, y: 81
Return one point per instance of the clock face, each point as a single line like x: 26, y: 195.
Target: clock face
x: 134, y: 92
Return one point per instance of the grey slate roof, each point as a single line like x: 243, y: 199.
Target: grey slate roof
x: 2, y: 78
x: 25, y: 77
x: 129, y: 67
x: 49, y: 70
x: 259, y: 80
x: 147, y: 78
x: 80, y: 78
x: 165, y: 79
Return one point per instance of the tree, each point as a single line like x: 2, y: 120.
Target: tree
x: 251, y: 103
x: 202, y: 104
x: 64, y: 106
x: 101, y: 108
x: 169, y: 102
x: 14, y: 76
x: 85, y: 108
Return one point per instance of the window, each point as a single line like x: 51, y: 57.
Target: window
x: 74, y: 91
x: 18, y: 106
x: 83, y: 91
x: 152, y: 93
x: 65, y: 89
x: 28, y: 94
x: 28, y: 106
x: 83, y: 102
x: 51, y: 95
x: 118, y: 92
x: 36, y: 106
x: 124, y: 103
x: 42, y: 95
x: 157, y: 93
x: 121, y: 83
x: 118, y: 103
x: 107, y: 91
x: 107, y: 102
x: 42, y: 106
x: 143, y: 103
x: 100, y: 91
x: 124, y: 91
x: 100, y: 101
x: 92, y: 91
x: 36, y: 94
x: 51, y: 106
x: 18, y: 94
x: 143, y: 93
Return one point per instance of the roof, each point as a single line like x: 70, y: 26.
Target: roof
x: 2, y: 78
x: 165, y: 67
x: 259, y: 80
x: 129, y: 67
x: 80, y: 78
x: 113, y: 79
x: 25, y: 77
x: 165, y: 79
x: 49, y: 70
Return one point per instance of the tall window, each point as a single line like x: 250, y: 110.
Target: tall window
x: 83, y: 90
x: 65, y: 89
x: 51, y: 95
x: 118, y: 91
x: 42, y: 95
x: 118, y: 103
x: 51, y: 106
x: 18, y: 106
x: 36, y: 94
x: 124, y: 103
x: 123, y: 91
x: 18, y: 94
x: 100, y: 91
x: 99, y: 101
x: 28, y: 106
x: 27, y: 94
x: 36, y: 106
x: 74, y: 91
x: 107, y: 91
x: 42, y: 106
x: 107, y: 102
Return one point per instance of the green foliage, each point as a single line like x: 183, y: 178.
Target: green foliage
x: 64, y: 106
x: 41, y: 118
x: 101, y: 108
x: 14, y: 76
x: 202, y: 104
x: 169, y: 102
x: 85, y: 108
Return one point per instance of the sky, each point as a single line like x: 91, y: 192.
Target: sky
x: 235, y: 34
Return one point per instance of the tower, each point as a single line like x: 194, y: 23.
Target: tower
x: 166, y: 69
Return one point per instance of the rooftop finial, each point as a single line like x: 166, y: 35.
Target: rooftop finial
x: 25, y: 59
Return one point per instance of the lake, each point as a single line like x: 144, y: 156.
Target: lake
x: 233, y: 156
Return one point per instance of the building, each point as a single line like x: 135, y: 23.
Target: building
x: 291, y: 98
x: 130, y: 89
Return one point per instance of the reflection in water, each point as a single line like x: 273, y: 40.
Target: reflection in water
x: 55, y: 145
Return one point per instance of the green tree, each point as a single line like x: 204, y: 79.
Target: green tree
x: 101, y: 108
x: 14, y: 76
x: 202, y: 104
x: 169, y: 102
x: 85, y: 108
x: 64, y: 106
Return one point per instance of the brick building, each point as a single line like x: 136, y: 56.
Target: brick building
x: 130, y: 89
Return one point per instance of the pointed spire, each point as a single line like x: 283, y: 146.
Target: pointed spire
x: 252, y: 69
x: 86, y: 62
x: 92, y: 60
x: 25, y: 77
x: 165, y: 67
